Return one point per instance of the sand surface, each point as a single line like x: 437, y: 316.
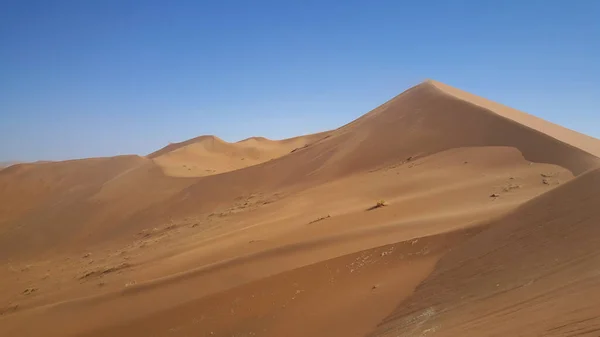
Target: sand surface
x: 208, y: 155
x: 488, y: 229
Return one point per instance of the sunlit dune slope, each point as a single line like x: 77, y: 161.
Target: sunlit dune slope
x: 208, y: 155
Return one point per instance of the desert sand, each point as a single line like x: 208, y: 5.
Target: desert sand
x: 209, y: 155
x: 5, y: 164
x: 489, y: 228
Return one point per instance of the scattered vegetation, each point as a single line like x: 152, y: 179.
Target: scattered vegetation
x: 104, y: 271
x: 321, y: 219
x: 379, y: 204
x: 300, y: 148
x: 29, y: 291
x: 511, y: 187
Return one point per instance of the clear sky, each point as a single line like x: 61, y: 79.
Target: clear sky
x: 86, y: 78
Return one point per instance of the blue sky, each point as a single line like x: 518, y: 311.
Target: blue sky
x: 107, y: 77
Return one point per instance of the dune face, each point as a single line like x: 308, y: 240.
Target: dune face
x: 488, y: 228
x: 577, y: 140
x: 532, y: 273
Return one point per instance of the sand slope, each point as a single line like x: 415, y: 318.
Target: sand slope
x: 62, y: 206
x: 575, y: 139
x: 147, y: 245
x: 532, y: 273
x: 213, y: 259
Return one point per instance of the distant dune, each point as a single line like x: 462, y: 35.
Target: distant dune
x: 4, y: 164
x: 209, y: 155
x: 487, y: 230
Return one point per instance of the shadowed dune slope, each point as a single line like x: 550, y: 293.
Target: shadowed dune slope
x: 578, y: 140
x: 533, y: 273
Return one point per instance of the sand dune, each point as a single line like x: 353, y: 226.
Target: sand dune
x: 419, y: 122
x: 532, y: 273
x: 5, y: 164
x: 209, y: 155
x: 276, y: 238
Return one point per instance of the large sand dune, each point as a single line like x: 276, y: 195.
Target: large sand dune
x: 277, y: 238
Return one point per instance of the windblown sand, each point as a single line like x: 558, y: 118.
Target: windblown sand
x: 491, y: 227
